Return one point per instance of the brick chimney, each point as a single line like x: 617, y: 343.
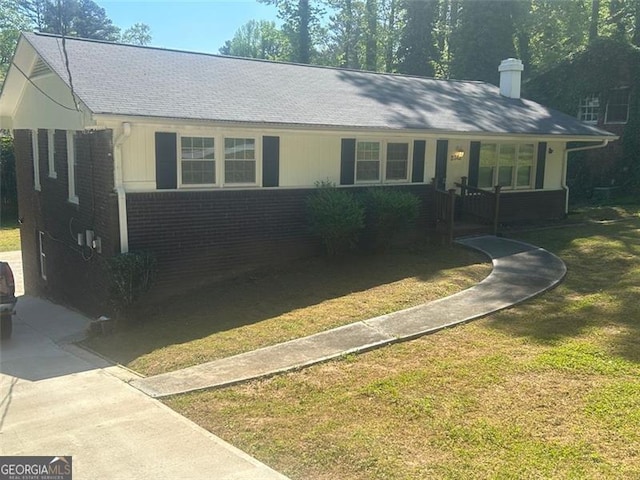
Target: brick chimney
x: 510, y: 77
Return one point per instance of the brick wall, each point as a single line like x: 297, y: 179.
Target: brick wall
x: 203, y: 236
x: 76, y: 275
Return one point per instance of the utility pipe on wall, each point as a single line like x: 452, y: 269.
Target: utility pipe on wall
x: 119, y: 186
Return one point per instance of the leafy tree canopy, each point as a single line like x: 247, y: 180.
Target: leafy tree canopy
x: 137, y: 34
x: 258, y: 39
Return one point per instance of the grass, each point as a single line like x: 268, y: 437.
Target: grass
x: 9, y: 239
x: 548, y: 389
x: 9, y: 229
x: 308, y: 297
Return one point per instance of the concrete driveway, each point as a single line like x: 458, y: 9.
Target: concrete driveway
x: 57, y: 399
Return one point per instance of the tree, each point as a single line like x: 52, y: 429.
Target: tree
x: 346, y: 33
x: 594, y: 20
x: 389, y: 33
x: 301, y: 25
x: 417, y: 45
x: 523, y: 26
x: 12, y: 21
x: 371, y: 35
x: 78, y: 18
x: 482, y: 39
x: 258, y: 40
x: 137, y: 34
x: 33, y: 11
x: 635, y: 36
x: 557, y: 29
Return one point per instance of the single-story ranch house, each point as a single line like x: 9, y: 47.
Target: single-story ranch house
x: 207, y: 160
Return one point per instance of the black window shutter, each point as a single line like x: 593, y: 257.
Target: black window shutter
x: 166, y: 161
x: 419, y: 147
x: 474, y: 164
x: 542, y: 160
x: 442, y: 147
x: 270, y: 161
x: 348, y: 161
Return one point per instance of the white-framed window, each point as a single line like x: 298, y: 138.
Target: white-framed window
x: 51, y: 151
x: 197, y: 161
x: 382, y: 161
x: 72, y: 167
x: 43, y: 255
x: 240, y: 165
x: 397, y: 165
x: 368, y: 160
x: 589, y: 108
x: 617, y: 106
x: 35, y: 154
x: 509, y: 165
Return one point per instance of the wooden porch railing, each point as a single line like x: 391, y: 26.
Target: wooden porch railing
x: 445, y: 203
x: 483, y: 205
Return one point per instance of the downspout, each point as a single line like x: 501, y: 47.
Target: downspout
x: 565, y: 162
x: 119, y: 186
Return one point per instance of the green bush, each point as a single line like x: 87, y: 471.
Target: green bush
x: 336, y: 216
x: 8, y: 190
x: 132, y: 275
x: 389, y: 212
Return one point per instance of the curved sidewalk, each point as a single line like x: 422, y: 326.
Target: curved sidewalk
x: 520, y: 272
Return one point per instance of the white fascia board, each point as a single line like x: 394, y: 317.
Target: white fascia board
x: 114, y: 121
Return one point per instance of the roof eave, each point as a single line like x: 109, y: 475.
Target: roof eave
x: 119, y: 117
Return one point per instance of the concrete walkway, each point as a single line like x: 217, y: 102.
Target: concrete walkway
x: 520, y: 271
x: 57, y: 399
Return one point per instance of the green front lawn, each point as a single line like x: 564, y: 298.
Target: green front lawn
x: 307, y: 297
x: 548, y: 389
x: 9, y: 239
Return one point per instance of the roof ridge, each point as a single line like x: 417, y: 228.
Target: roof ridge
x: 260, y: 60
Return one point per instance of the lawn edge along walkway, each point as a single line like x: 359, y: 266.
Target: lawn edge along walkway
x: 520, y: 271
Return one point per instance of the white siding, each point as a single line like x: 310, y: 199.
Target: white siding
x: 554, y: 166
x: 37, y: 110
x: 307, y: 158
x: 138, y: 154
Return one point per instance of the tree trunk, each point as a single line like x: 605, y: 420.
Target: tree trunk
x: 635, y: 37
x: 391, y: 25
x: 371, y: 47
x: 304, y: 37
x: 595, y: 15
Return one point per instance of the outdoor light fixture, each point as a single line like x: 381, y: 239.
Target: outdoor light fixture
x: 458, y: 154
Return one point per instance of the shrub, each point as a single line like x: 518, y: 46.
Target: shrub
x: 132, y: 275
x: 390, y: 211
x: 336, y: 216
x: 8, y: 190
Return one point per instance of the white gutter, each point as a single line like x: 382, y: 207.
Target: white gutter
x: 566, y: 161
x: 118, y: 178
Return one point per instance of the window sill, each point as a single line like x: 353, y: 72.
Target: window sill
x: 240, y: 185
x: 202, y: 186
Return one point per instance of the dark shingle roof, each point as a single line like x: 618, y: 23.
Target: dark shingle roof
x: 141, y: 81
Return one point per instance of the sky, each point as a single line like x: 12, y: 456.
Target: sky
x: 199, y: 26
